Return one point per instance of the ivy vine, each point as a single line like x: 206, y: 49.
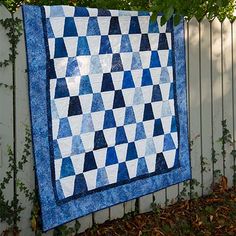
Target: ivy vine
x: 10, y: 210
x: 14, y: 29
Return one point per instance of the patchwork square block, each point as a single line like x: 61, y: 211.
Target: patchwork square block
x: 108, y: 107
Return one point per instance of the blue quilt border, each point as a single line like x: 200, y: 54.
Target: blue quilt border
x: 52, y: 213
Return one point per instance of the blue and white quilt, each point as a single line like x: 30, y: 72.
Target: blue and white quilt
x: 108, y: 107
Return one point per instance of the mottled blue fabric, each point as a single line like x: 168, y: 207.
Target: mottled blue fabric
x: 107, y: 93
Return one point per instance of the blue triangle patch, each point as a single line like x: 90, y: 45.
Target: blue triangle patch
x: 145, y: 44
x: 54, y: 112
x: 64, y: 128
x: 169, y: 25
x: 158, y: 129
x: 77, y: 145
x: 111, y: 157
x: 170, y: 56
x: 155, y: 60
x: 107, y: 83
x: 56, y: 11
x: 153, y: 27
x: 99, y: 140
x: 168, y: 143
x: 156, y: 93
x: 148, y: 113
x: 131, y: 152
x: 93, y: 27
x: 83, y: 47
x: 129, y: 116
x: 173, y: 125
x: 166, y: 110
x: 105, y: 46
x: 134, y: 25
x: 121, y: 136
x: 122, y: 172
x: 140, y: 132
x: 116, y: 63
x: 87, y: 124
x: 164, y: 77
x: 104, y: 12
x: 60, y: 48
x: 95, y: 65
x: 146, y: 78
x: 102, y: 179
x: 56, y: 150
x: 109, y: 120
x: 125, y: 44
x: 163, y: 43
x: 138, y: 96
x: 171, y: 95
x: 89, y: 162
x: 142, y: 167
x: 52, y: 72
x: 72, y: 67
x: 67, y: 168
x: 118, y: 99
x: 128, y: 80
x: 85, y: 86
x: 81, y: 11
x: 80, y: 184
x: 74, y: 106
x: 161, y: 166
x: 61, y: 88
x: 114, y: 26
x: 150, y: 147
x: 70, y: 28
x: 97, y: 103
x: 136, y: 61
x: 50, y: 33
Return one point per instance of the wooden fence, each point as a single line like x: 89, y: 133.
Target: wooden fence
x: 211, y: 72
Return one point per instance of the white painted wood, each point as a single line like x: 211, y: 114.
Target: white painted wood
x: 194, y: 105
x: 160, y: 197
x: 23, y: 119
x: 117, y: 211
x: 227, y: 93
x: 234, y: 82
x: 101, y: 216
x: 186, y: 35
x: 6, y: 130
x: 217, y: 91
x: 145, y: 203
x: 206, y: 124
x: 129, y: 206
x: 85, y: 223
x: 172, y: 194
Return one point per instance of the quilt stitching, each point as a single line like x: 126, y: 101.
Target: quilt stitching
x: 112, y: 98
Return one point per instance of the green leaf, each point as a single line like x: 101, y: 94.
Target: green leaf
x: 177, y: 19
x: 154, y: 16
x: 163, y: 20
x: 168, y: 13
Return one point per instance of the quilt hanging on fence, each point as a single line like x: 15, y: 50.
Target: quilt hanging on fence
x: 107, y: 96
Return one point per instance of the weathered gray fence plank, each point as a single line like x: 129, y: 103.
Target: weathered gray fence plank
x: 117, y: 211
x: 206, y: 119
x: 194, y: 103
x: 234, y: 88
x: 6, y: 128
x: 217, y: 94
x: 145, y: 203
x: 227, y: 93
